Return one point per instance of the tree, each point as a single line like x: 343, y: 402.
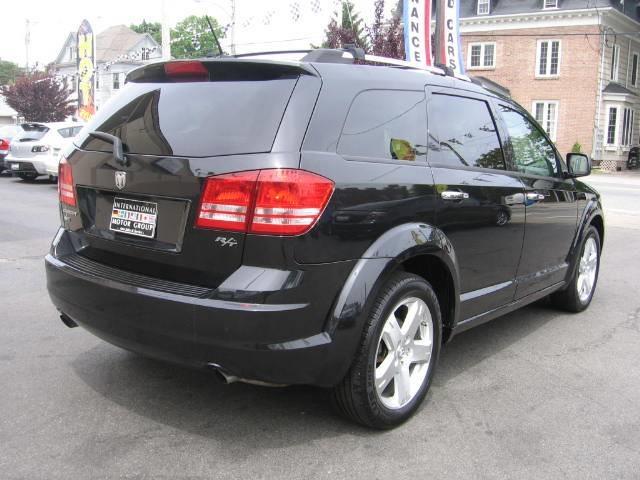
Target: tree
x: 350, y: 31
x: 152, y: 28
x: 192, y: 38
x: 39, y: 97
x: 9, y: 71
x: 386, y: 37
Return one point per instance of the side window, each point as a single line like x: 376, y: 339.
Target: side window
x: 462, y: 132
x: 386, y: 124
x: 532, y: 152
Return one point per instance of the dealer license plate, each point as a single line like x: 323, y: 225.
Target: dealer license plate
x: 15, y: 166
x: 134, y: 217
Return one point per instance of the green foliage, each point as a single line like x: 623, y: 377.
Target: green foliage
x: 39, y: 97
x: 351, y: 30
x: 152, y: 28
x: 577, y: 148
x: 192, y: 38
x: 9, y: 71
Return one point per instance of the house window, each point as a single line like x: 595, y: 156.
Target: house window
x: 635, y: 61
x: 145, y: 54
x: 627, y: 126
x: 546, y: 114
x: 71, y: 53
x: 482, y: 55
x: 615, y: 62
x: 550, y: 4
x: 97, y: 82
x: 548, y: 61
x: 484, y: 6
x: 612, y: 123
x: 116, y: 81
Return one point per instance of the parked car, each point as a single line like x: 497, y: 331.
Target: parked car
x: 36, y: 150
x: 7, y: 132
x: 246, y: 216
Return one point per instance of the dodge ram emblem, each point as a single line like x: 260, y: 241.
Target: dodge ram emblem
x: 121, y: 180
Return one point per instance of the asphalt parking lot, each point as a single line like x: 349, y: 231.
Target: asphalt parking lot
x: 536, y: 394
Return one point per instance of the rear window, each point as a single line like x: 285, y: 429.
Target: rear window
x: 31, y: 132
x: 195, y: 119
x: 69, y: 132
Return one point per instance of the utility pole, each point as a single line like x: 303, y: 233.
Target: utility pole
x: 233, y: 27
x: 166, y: 33
x: 27, y: 42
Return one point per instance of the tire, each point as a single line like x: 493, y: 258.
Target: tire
x: 357, y: 396
x: 574, y: 298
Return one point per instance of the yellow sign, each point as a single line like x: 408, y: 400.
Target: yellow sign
x: 86, y: 71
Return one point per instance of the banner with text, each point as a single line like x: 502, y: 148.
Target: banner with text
x: 448, y: 32
x: 86, y: 55
x: 417, y: 31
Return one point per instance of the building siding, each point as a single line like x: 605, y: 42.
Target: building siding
x: 575, y: 88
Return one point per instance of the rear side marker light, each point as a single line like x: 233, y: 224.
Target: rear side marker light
x: 66, y: 190
x: 267, y: 202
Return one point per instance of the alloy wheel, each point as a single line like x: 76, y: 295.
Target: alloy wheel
x: 587, y: 269
x: 404, y: 353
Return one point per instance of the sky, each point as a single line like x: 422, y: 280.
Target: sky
x: 260, y: 24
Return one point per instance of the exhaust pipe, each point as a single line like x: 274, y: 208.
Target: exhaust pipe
x: 67, y: 321
x: 228, y: 378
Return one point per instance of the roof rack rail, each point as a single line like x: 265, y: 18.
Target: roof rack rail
x: 490, y: 85
x: 351, y: 53
x: 273, y: 52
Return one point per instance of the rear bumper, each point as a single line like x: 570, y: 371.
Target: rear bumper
x: 278, y: 343
x: 25, y: 166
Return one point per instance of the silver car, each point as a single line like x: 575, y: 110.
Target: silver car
x: 36, y: 150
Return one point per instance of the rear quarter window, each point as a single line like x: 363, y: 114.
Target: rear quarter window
x: 386, y: 125
x: 193, y: 119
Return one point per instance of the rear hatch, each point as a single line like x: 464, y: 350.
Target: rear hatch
x: 28, y: 143
x: 180, y: 123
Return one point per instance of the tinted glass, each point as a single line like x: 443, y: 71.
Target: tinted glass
x: 193, y: 119
x: 462, y: 132
x: 386, y: 124
x: 69, y: 132
x: 532, y: 152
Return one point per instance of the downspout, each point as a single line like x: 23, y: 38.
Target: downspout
x: 626, y: 80
x: 596, y: 127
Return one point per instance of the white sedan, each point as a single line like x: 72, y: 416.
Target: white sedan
x: 36, y: 151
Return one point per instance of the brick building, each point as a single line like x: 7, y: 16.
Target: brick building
x: 575, y: 64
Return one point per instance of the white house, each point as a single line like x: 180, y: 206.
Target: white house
x: 7, y: 114
x: 118, y: 51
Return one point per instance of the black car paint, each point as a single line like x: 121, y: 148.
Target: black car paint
x: 290, y: 310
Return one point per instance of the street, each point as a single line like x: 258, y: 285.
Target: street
x: 535, y: 394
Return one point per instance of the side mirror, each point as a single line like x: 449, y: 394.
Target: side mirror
x: 579, y: 164
x: 402, y: 150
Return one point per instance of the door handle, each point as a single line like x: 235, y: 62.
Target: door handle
x: 534, y: 197
x: 454, y: 195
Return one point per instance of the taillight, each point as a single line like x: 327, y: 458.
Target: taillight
x: 267, y: 202
x: 66, y: 191
x: 186, y: 71
x: 4, y: 145
x: 226, y: 200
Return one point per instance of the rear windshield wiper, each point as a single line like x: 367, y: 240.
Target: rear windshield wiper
x: 118, y: 150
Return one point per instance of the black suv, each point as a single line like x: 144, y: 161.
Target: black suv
x: 315, y: 222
